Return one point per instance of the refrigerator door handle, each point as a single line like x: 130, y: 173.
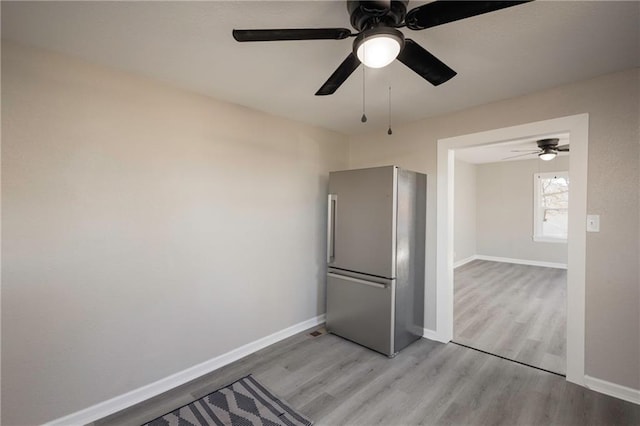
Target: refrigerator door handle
x: 331, y: 227
x: 357, y: 280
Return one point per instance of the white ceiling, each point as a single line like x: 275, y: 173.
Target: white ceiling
x: 498, y: 55
x: 504, y: 151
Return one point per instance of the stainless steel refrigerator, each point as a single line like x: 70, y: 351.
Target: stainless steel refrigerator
x: 375, y: 256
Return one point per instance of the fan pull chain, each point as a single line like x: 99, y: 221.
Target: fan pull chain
x: 389, y: 132
x: 364, y: 116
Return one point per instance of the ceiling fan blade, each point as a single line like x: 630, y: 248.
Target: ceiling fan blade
x: 346, y: 68
x: 517, y: 156
x: 530, y: 151
x: 442, y: 11
x: 424, y: 63
x: 292, y: 34
x: 563, y: 148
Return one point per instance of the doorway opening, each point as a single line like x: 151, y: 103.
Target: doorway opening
x: 510, y: 251
x: 577, y: 128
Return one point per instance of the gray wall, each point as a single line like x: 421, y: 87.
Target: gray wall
x: 464, y: 221
x: 505, y: 210
x: 612, y: 292
x: 145, y: 230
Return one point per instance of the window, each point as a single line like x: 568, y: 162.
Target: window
x: 550, y: 207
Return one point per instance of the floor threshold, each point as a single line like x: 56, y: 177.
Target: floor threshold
x: 509, y: 359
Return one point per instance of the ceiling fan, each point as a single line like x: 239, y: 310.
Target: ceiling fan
x: 548, y: 149
x: 378, y: 41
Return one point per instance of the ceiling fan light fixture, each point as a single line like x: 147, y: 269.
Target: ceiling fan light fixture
x: 379, y: 46
x: 548, y: 154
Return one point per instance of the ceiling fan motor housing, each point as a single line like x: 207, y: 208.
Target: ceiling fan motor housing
x: 551, y: 143
x: 369, y: 14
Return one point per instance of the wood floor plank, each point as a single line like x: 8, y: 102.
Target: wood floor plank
x: 336, y: 382
x: 515, y: 311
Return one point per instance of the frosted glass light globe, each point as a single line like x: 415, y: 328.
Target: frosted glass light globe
x: 378, y: 51
x: 547, y: 155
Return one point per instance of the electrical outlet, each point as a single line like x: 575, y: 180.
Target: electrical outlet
x: 593, y: 223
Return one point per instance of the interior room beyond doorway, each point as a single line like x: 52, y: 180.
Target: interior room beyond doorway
x: 510, y: 277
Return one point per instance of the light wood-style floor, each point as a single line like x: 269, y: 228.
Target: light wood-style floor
x: 336, y: 382
x: 515, y: 311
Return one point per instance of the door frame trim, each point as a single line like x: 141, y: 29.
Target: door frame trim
x: 578, y: 128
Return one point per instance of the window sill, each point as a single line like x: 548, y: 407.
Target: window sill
x: 549, y: 240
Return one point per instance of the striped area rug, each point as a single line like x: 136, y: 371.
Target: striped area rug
x: 243, y: 403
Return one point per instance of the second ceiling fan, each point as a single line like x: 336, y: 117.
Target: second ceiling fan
x: 547, y: 150
x: 378, y: 40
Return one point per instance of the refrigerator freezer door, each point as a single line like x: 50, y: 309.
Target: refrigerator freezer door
x: 361, y: 311
x: 364, y: 213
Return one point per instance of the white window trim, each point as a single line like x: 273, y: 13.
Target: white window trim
x: 538, y: 239
x: 536, y: 210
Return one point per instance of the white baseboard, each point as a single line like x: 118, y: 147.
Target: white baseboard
x: 459, y: 263
x: 612, y: 389
x: 143, y: 393
x: 521, y: 261
x: 433, y: 335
